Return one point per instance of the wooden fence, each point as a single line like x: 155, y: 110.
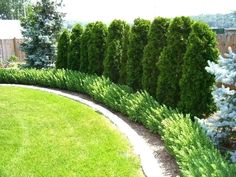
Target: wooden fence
x: 10, y: 47
x: 226, y: 40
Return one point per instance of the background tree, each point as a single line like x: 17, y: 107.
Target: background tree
x: 40, y: 29
x: 196, y: 84
x: 152, y: 52
x: 13, y: 9
x: 171, y: 60
x: 124, y: 58
x: 96, y: 48
x: 63, y: 49
x: 138, y: 40
x: 74, y: 48
x: 114, y: 51
x: 85, y: 40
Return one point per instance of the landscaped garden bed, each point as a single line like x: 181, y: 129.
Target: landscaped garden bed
x: 185, y: 140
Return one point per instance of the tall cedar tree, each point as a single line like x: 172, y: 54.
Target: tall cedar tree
x: 114, y: 51
x: 196, y: 83
x: 124, y: 58
x: 138, y: 40
x: 85, y: 39
x: 63, y: 49
x: 41, y: 27
x: 152, y: 52
x: 171, y: 61
x: 74, y: 48
x: 96, y: 48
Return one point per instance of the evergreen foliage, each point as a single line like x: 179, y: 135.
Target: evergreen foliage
x: 40, y: 29
x: 114, y: 50
x: 171, y: 60
x: 196, y: 84
x: 222, y: 128
x: 13, y: 9
x: 152, y: 52
x: 74, y: 48
x: 185, y: 140
x: 124, y: 58
x: 63, y: 49
x: 85, y: 39
x: 138, y: 40
x: 96, y: 48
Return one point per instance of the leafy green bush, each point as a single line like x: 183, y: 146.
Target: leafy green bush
x: 96, y: 48
x: 152, y: 52
x: 171, y: 61
x: 74, y: 48
x: 196, y: 83
x: 138, y: 40
x: 185, y: 140
x: 62, y: 49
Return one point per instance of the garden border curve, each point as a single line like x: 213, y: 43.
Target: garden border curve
x: 150, y: 165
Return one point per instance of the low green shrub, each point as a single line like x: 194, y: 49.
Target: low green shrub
x: 185, y: 140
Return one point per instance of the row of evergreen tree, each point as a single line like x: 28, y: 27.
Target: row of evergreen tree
x: 167, y: 58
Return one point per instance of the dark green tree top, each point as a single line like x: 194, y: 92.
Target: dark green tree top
x: 152, y: 51
x: 74, y: 48
x: 171, y: 60
x: 138, y: 40
x: 63, y: 49
x: 196, y: 83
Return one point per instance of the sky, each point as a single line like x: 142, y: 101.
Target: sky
x: 107, y: 10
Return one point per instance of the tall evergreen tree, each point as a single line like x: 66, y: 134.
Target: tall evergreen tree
x: 63, y: 49
x: 152, y: 52
x: 74, y: 48
x: 40, y: 30
x: 171, y: 61
x: 96, y: 48
x: 124, y: 58
x: 138, y: 40
x: 13, y: 9
x: 196, y: 84
x: 85, y: 40
x: 114, y: 51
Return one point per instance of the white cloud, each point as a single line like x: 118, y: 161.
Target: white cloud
x: 107, y: 10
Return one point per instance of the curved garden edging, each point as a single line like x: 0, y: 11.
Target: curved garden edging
x: 150, y: 165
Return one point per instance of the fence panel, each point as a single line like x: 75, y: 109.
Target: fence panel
x: 10, y: 47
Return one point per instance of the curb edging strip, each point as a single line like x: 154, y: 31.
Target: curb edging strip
x: 150, y: 166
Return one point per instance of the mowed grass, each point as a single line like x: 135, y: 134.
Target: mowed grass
x: 46, y: 135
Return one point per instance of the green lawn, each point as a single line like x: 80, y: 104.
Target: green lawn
x: 46, y: 135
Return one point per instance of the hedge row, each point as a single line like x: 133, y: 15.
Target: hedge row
x: 185, y: 140
x: 167, y: 58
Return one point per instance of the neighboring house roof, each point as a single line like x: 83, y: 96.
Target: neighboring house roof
x: 10, y: 29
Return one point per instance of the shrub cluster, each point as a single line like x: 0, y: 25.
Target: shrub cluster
x: 185, y: 140
x: 166, y: 58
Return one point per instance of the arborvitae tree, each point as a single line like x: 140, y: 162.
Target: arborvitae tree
x: 152, y: 52
x: 74, y: 48
x: 62, y: 49
x: 124, y: 58
x: 138, y: 40
x: 85, y: 39
x: 96, y: 48
x: 196, y: 84
x: 171, y: 61
x: 40, y: 30
x: 114, y: 51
